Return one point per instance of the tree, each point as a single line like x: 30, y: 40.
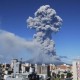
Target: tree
x: 69, y: 75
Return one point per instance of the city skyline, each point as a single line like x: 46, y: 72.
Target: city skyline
x: 13, y: 16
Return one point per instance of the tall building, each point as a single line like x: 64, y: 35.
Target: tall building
x: 76, y: 70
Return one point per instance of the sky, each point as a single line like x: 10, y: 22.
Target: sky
x: 13, y: 26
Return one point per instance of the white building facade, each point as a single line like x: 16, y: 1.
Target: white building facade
x: 76, y: 70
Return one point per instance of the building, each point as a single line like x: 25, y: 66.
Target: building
x: 76, y: 69
x: 19, y: 70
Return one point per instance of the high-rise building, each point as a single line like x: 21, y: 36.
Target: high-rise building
x: 76, y: 70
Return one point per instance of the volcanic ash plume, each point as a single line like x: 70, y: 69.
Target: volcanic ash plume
x: 45, y: 22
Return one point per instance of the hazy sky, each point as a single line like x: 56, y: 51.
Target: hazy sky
x: 13, y: 16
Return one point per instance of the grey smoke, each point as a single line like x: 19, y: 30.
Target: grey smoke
x: 13, y: 46
x: 42, y: 47
x: 45, y: 22
x: 45, y: 19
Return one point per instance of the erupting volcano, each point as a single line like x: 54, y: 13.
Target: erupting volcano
x: 45, y: 22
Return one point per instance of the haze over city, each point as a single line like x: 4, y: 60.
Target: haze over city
x: 15, y: 37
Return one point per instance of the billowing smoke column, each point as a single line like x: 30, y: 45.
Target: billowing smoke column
x: 45, y: 21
